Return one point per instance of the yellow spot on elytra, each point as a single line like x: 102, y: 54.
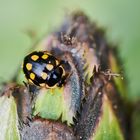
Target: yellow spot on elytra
x: 45, y: 56
x: 49, y: 67
x: 57, y: 62
x: 32, y: 76
x: 34, y: 57
x: 30, y: 81
x: 64, y: 73
x: 44, y: 75
x: 42, y: 85
x: 29, y: 66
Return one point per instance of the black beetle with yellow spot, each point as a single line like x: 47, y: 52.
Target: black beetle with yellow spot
x: 43, y: 69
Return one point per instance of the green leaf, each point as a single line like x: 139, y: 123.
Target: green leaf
x: 91, y: 61
x: 108, y: 127
x: 118, y: 80
x: 136, y: 122
x: 55, y: 103
x: 49, y: 103
x: 8, y: 119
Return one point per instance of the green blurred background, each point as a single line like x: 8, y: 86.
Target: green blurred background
x: 120, y: 18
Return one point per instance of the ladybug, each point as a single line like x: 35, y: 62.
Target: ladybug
x: 44, y: 70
